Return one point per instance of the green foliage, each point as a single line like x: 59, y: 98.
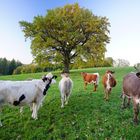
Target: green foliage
x: 108, y: 62
x: 31, y: 68
x: 137, y: 67
x: 7, y: 67
x: 66, y: 33
x: 86, y: 117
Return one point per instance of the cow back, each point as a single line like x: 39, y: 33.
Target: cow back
x: 131, y: 84
x: 90, y: 77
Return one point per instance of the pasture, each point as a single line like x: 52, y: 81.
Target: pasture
x: 86, y: 117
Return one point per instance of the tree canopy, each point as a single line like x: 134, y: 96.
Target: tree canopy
x: 67, y: 33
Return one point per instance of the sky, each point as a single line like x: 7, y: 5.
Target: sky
x: 123, y: 15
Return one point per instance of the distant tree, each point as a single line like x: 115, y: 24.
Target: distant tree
x: 137, y: 67
x: 121, y: 63
x: 7, y: 67
x: 17, y: 70
x: 4, y: 66
x: 66, y: 33
x: 18, y: 63
x: 108, y: 62
x: 12, y: 66
x: 30, y: 68
x: 1, y: 67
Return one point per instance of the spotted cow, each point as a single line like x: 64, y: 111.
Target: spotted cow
x: 108, y: 82
x: 90, y: 78
x: 131, y: 90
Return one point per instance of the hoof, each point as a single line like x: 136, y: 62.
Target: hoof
x: 62, y: 106
x: 35, y: 118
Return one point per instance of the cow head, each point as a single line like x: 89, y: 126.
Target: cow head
x: 110, y: 78
x: 138, y: 74
x: 83, y: 74
x: 110, y: 71
x: 49, y: 78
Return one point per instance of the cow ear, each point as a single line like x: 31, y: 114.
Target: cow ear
x: 44, y: 78
x: 112, y: 72
x: 138, y: 74
x: 54, y: 77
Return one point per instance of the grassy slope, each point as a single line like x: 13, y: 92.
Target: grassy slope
x: 87, y: 116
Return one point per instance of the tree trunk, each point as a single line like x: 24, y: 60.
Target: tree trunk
x: 66, y: 64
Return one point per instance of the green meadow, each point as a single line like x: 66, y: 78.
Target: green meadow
x: 86, y: 117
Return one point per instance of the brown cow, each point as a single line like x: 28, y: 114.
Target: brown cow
x: 90, y: 78
x: 131, y: 89
x: 108, y: 82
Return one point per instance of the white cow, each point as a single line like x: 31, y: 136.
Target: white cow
x: 20, y: 93
x: 65, y: 87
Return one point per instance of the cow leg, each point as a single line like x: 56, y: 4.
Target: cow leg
x: 0, y: 117
x: 136, y: 111
x: 128, y: 103
x: 62, y: 101
x: 123, y: 101
x: 21, y: 109
x: 0, y: 122
x: 108, y: 93
x: 65, y: 98
x: 105, y: 97
x: 35, y: 108
x: 33, y: 111
x: 31, y: 106
x: 68, y: 95
x: 105, y: 94
x: 66, y: 101
x: 85, y: 85
x: 95, y: 87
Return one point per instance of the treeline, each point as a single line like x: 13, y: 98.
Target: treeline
x: 7, y: 67
x: 34, y: 68
x: 31, y: 68
x: 16, y: 67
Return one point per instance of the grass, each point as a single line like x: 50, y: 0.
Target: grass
x: 86, y: 117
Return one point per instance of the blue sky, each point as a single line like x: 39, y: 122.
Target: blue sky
x: 124, y: 17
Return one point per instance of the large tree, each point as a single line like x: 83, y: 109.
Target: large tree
x: 66, y: 33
